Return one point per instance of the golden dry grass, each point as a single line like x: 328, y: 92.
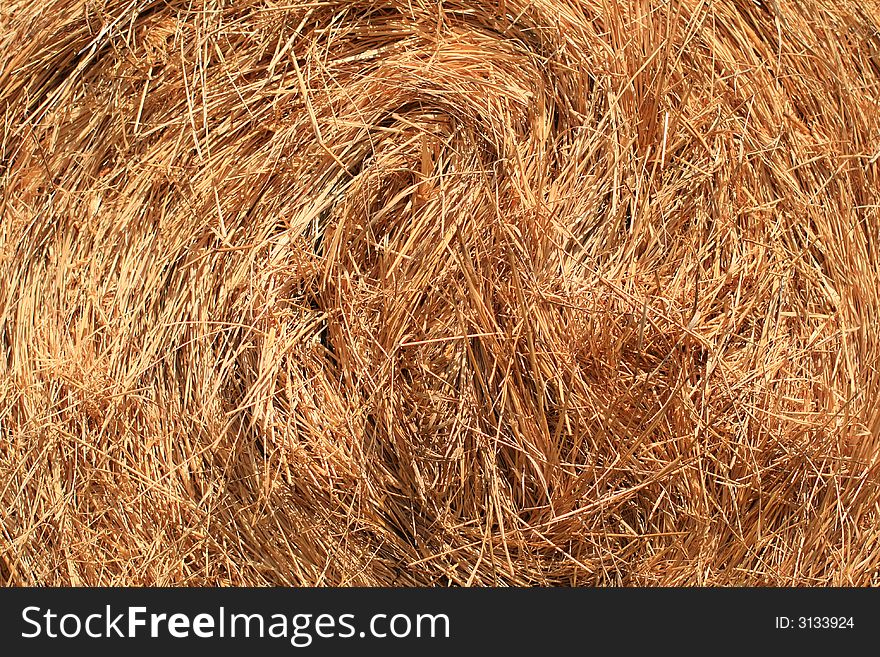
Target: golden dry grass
x: 423, y: 293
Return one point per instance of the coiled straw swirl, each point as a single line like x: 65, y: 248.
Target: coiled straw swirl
x: 426, y: 293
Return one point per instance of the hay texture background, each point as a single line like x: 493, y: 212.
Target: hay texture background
x: 432, y: 293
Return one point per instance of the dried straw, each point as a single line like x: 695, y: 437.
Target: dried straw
x: 552, y: 292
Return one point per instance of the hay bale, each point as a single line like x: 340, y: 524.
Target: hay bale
x: 417, y: 293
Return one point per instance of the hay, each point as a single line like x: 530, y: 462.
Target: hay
x: 430, y: 293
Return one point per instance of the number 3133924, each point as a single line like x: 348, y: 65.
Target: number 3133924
x: 825, y: 622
